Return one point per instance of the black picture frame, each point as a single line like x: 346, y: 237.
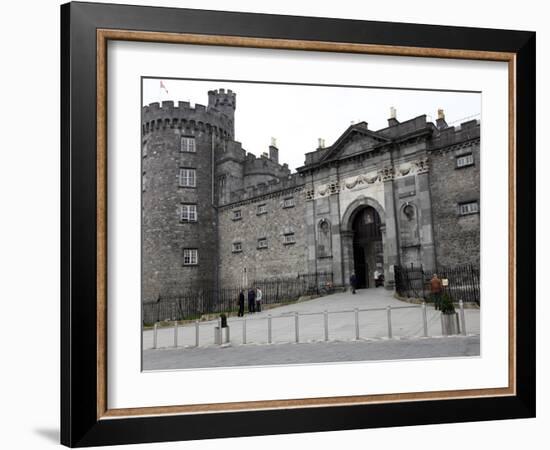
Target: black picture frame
x: 80, y: 424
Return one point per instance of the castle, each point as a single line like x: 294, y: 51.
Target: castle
x: 214, y: 215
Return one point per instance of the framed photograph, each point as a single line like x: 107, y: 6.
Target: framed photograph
x: 277, y: 224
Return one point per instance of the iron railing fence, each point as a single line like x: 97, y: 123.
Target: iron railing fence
x: 195, y: 302
x: 414, y: 282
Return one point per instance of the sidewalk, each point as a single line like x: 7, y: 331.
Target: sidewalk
x: 406, y: 323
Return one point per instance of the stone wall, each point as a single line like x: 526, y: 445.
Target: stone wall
x: 279, y: 259
x: 456, y: 236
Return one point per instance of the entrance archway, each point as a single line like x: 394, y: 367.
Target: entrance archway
x: 352, y: 248
x: 368, y: 252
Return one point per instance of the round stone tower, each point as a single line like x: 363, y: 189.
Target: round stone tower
x: 179, y: 219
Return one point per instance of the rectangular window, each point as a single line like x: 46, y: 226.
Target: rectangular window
x: 188, y: 144
x: 237, y: 214
x: 262, y: 209
x: 465, y: 160
x: 289, y: 238
x: 188, y: 178
x: 288, y: 202
x: 262, y: 243
x: 190, y: 256
x: 143, y: 182
x: 468, y: 208
x: 237, y: 247
x: 144, y: 149
x: 188, y: 213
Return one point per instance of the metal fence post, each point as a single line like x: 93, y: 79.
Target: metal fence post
x: 176, y: 333
x: 269, y: 328
x: 356, y: 324
x: 424, y: 319
x: 325, y: 314
x: 155, y: 329
x: 462, y: 318
x: 297, y: 327
x: 244, y: 331
x: 388, y: 310
x: 196, y: 333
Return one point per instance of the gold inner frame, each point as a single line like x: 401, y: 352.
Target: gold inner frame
x: 104, y: 35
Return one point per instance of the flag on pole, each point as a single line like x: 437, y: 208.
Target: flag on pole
x: 162, y: 86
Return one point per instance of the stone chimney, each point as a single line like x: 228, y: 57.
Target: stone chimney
x: 392, y: 121
x: 274, y: 151
x: 321, y: 143
x: 440, y: 122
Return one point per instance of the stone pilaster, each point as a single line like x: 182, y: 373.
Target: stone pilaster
x: 427, y: 247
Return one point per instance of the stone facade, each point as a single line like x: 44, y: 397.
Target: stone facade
x: 415, y: 182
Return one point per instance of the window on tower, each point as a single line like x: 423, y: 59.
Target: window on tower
x: 187, y: 178
x: 188, y: 213
x: 188, y: 144
x: 190, y: 256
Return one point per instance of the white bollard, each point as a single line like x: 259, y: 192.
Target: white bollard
x: 296, y: 327
x: 325, y: 314
x: 155, y: 330
x: 424, y: 319
x: 462, y: 318
x: 356, y: 324
x: 388, y: 311
x: 196, y: 333
x: 175, y: 333
x: 269, y: 328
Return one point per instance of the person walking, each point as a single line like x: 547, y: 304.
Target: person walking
x: 436, y: 287
x: 241, y: 304
x: 251, y: 301
x: 258, y: 299
x: 353, y: 282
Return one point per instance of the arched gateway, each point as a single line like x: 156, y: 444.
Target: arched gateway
x: 363, y: 233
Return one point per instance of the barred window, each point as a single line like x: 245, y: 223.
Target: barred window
x: 237, y: 214
x: 468, y: 208
x: 288, y: 202
x: 262, y: 243
x: 262, y: 209
x: 289, y: 238
x: 188, y: 144
x: 188, y: 213
x: 190, y: 256
x: 237, y: 247
x: 465, y: 160
x: 188, y: 178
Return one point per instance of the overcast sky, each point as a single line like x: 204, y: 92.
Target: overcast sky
x: 298, y: 115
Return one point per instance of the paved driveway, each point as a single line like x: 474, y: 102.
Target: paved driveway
x: 406, y: 321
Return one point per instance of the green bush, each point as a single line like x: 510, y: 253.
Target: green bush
x: 447, y: 306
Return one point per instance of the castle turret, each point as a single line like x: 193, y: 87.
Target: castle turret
x: 224, y: 102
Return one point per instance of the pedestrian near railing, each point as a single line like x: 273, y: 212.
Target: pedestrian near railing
x: 246, y: 326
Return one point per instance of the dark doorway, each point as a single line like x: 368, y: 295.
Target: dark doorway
x: 367, y: 246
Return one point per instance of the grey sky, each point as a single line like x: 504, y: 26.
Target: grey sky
x: 298, y: 115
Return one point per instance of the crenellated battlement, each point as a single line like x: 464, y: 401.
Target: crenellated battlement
x: 280, y: 186
x: 160, y: 116
x: 262, y: 165
x: 450, y: 136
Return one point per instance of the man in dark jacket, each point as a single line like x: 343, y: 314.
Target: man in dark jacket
x: 353, y: 282
x: 251, y: 301
x: 241, y: 303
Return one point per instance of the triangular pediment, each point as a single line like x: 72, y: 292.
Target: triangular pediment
x: 356, y: 139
